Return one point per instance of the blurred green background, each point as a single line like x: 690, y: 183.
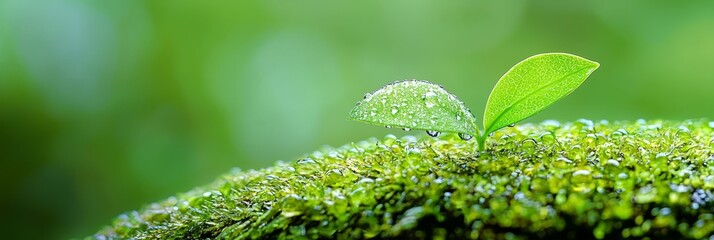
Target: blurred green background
x: 109, y: 105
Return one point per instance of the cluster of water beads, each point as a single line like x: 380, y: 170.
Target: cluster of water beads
x: 685, y: 195
x: 433, y: 133
x: 582, y: 178
x: 593, y: 142
x: 414, y: 104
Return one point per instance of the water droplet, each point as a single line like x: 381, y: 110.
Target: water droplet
x: 292, y: 205
x: 619, y: 133
x: 388, y: 126
x: 585, y: 124
x: 333, y: 175
x: 622, y: 176
x: 458, y: 117
x: 305, y: 161
x: 389, y: 140
x: 394, y: 110
x: 547, y: 138
x: 529, y: 146
x: 429, y: 99
x: 367, y: 96
x: 563, y: 159
x: 581, y: 175
x: 576, y: 148
x: 551, y: 123
x: 512, y: 125
x: 582, y: 172
x: 613, y: 162
x: 711, y: 124
x: 683, y: 134
x: 683, y: 128
x: 409, y: 139
x: 529, y: 142
x: 465, y: 136
x: 406, y: 129
x: 562, y: 162
x: 592, y: 139
x: 646, y: 194
x: 372, y: 113
x: 305, y: 166
x: 665, y: 211
x: 413, y: 152
x: 365, y: 180
x: 432, y: 133
x: 680, y: 188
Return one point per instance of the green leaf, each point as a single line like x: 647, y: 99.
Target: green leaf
x: 415, y: 104
x: 532, y: 85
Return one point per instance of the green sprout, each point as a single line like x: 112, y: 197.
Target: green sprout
x: 526, y: 89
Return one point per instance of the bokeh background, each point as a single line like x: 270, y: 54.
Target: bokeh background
x: 109, y: 105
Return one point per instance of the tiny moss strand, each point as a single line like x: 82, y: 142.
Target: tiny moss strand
x: 585, y: 180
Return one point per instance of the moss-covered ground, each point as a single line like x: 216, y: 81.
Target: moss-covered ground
x: 573, y: 180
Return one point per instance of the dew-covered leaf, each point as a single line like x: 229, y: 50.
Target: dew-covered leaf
x: 415, y: 104
x: 532, y: 85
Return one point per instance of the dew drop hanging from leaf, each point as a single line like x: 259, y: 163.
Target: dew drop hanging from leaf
x: 465, y: 136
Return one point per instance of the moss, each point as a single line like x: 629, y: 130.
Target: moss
x: 583, y: 179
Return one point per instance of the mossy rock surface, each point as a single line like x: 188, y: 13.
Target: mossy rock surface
x: 575, y: 180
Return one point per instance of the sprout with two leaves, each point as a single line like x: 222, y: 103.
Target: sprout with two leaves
x: 526, y: 89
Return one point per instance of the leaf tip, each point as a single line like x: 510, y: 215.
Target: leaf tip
x: 594, y: 65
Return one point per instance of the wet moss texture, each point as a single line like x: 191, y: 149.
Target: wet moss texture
x: 586, y: 180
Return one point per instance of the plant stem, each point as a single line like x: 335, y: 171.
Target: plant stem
x: 481, y: 140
